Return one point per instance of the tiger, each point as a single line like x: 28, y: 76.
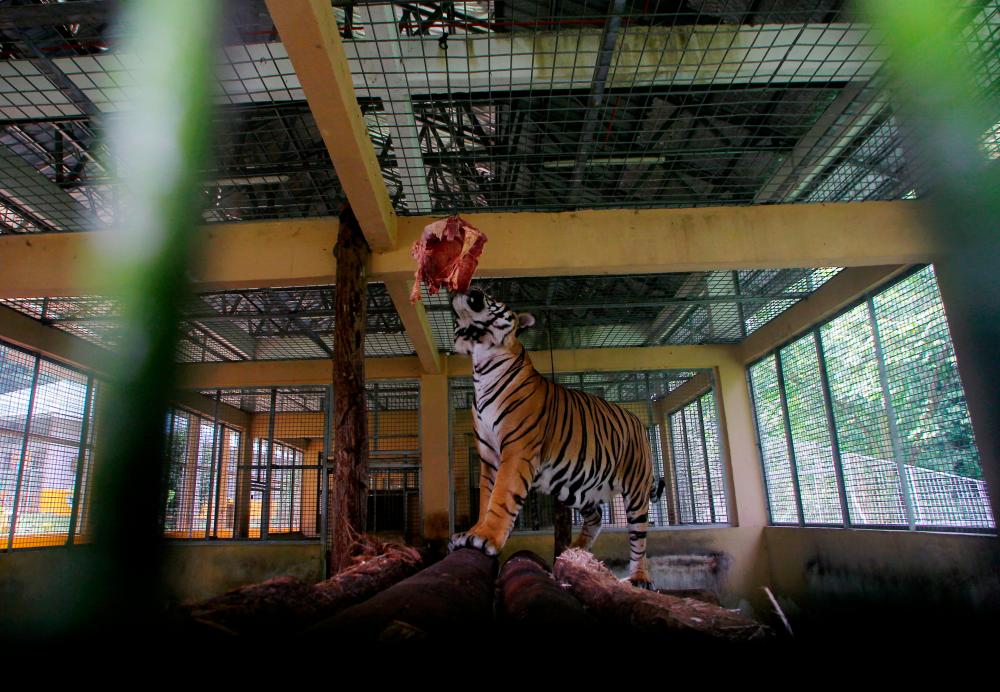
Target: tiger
x: 534, y: 433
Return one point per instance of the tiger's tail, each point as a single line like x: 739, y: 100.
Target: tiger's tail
x: 658, y: 486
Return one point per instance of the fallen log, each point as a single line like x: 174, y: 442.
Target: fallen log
x: 647, y: 613
x: 531, y: 604
x: 288, y: 605
x: 452, y: 600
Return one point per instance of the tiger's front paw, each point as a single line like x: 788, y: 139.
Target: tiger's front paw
x: 471, y: 540
x: 640, y: 581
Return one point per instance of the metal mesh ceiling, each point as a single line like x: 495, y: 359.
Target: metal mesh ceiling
x: 641, y: 310
x: 572, y: 312
x: 259, y: 324
x: 524, y: 106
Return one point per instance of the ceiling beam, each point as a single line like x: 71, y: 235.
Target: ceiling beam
x: 414, y: 317
x: 273, y: 373
x: 614, y: 241
x: 287, y: 373
x: 309, y: 32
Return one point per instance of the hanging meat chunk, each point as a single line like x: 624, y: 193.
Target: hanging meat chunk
x: 447, y: 255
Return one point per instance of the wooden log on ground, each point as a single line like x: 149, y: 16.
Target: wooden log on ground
x: 530, y: 604
x: 285, y: 605
x: 450, y: 601
x: 647, y: 613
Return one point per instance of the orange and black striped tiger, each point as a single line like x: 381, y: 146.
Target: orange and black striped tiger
x: 534, y: 433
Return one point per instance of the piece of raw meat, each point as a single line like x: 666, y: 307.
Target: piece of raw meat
x: 447, y: 255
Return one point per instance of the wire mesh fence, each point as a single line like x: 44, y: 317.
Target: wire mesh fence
x: 698, y: 483
x: 640, y: 310
x: 394, y: 497
x: 863, y: 420
x: 251, y: 324
x: 639, y: 392
x: 498, y: 105
x: 46, y: 447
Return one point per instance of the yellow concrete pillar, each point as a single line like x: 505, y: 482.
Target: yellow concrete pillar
x: 435, y: 475
x: 747, y: 500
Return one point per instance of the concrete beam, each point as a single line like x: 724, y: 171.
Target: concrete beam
x: 414, y: 317
x: 311, y: 37
x: 686, y: 393
x: 33, y: 335
x: 300, y: 252
x: 644, y: 241
x: 833, y: 296
x: 274, y: 373
x: 29, y: 333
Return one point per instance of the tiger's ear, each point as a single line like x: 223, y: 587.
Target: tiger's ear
x: 524, y: 320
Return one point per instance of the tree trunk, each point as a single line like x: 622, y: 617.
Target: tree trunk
x: 647, y: 614
x: 349, y: 486
x: 450, y: 601
x: 285, y: 605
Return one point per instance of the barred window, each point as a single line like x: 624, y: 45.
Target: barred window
x: 863, y: 420
x: 697, y: 464
x: 46, y: 439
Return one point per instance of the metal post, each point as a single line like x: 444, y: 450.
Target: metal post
x: 790, y: 445
x: 165, y: 475
x: 739, y: 304
x: 760, y: 446
x: 218, y: 475
x: 265, y: 504
x: 832, y: 426
x: 890, y: 412
x: 81, y: 460
x: 216, y: 447
x: 704, y: 453
x: 687, y: 457
x: 24, y: 452
x: 324, y: 481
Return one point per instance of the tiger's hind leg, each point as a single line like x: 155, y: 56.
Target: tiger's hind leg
x: 638, y: 521
x: 591, y: 527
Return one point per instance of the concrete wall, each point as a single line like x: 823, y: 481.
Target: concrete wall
x: 888, y: 580
x: 201, y: 570
x: 194, y: 571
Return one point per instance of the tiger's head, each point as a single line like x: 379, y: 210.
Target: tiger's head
x: 485, y: 322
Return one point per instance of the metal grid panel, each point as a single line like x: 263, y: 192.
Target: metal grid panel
x: 628, y: 104
x: 62, y: 82
x: 871, y: 477
x: 258, y: 324
x: 261, y: 481
x: 46, y: 416
x: 698, y: 483
x: 394, y: 458
x: 632, y: 390
x: 768, y: 409
x: 935, y: 432
x: 810, y: 431
x: 712, y: 431
x: 640, y: 309
x: 202, y: 455
x: 682, y: 469
x: 897, y: 407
